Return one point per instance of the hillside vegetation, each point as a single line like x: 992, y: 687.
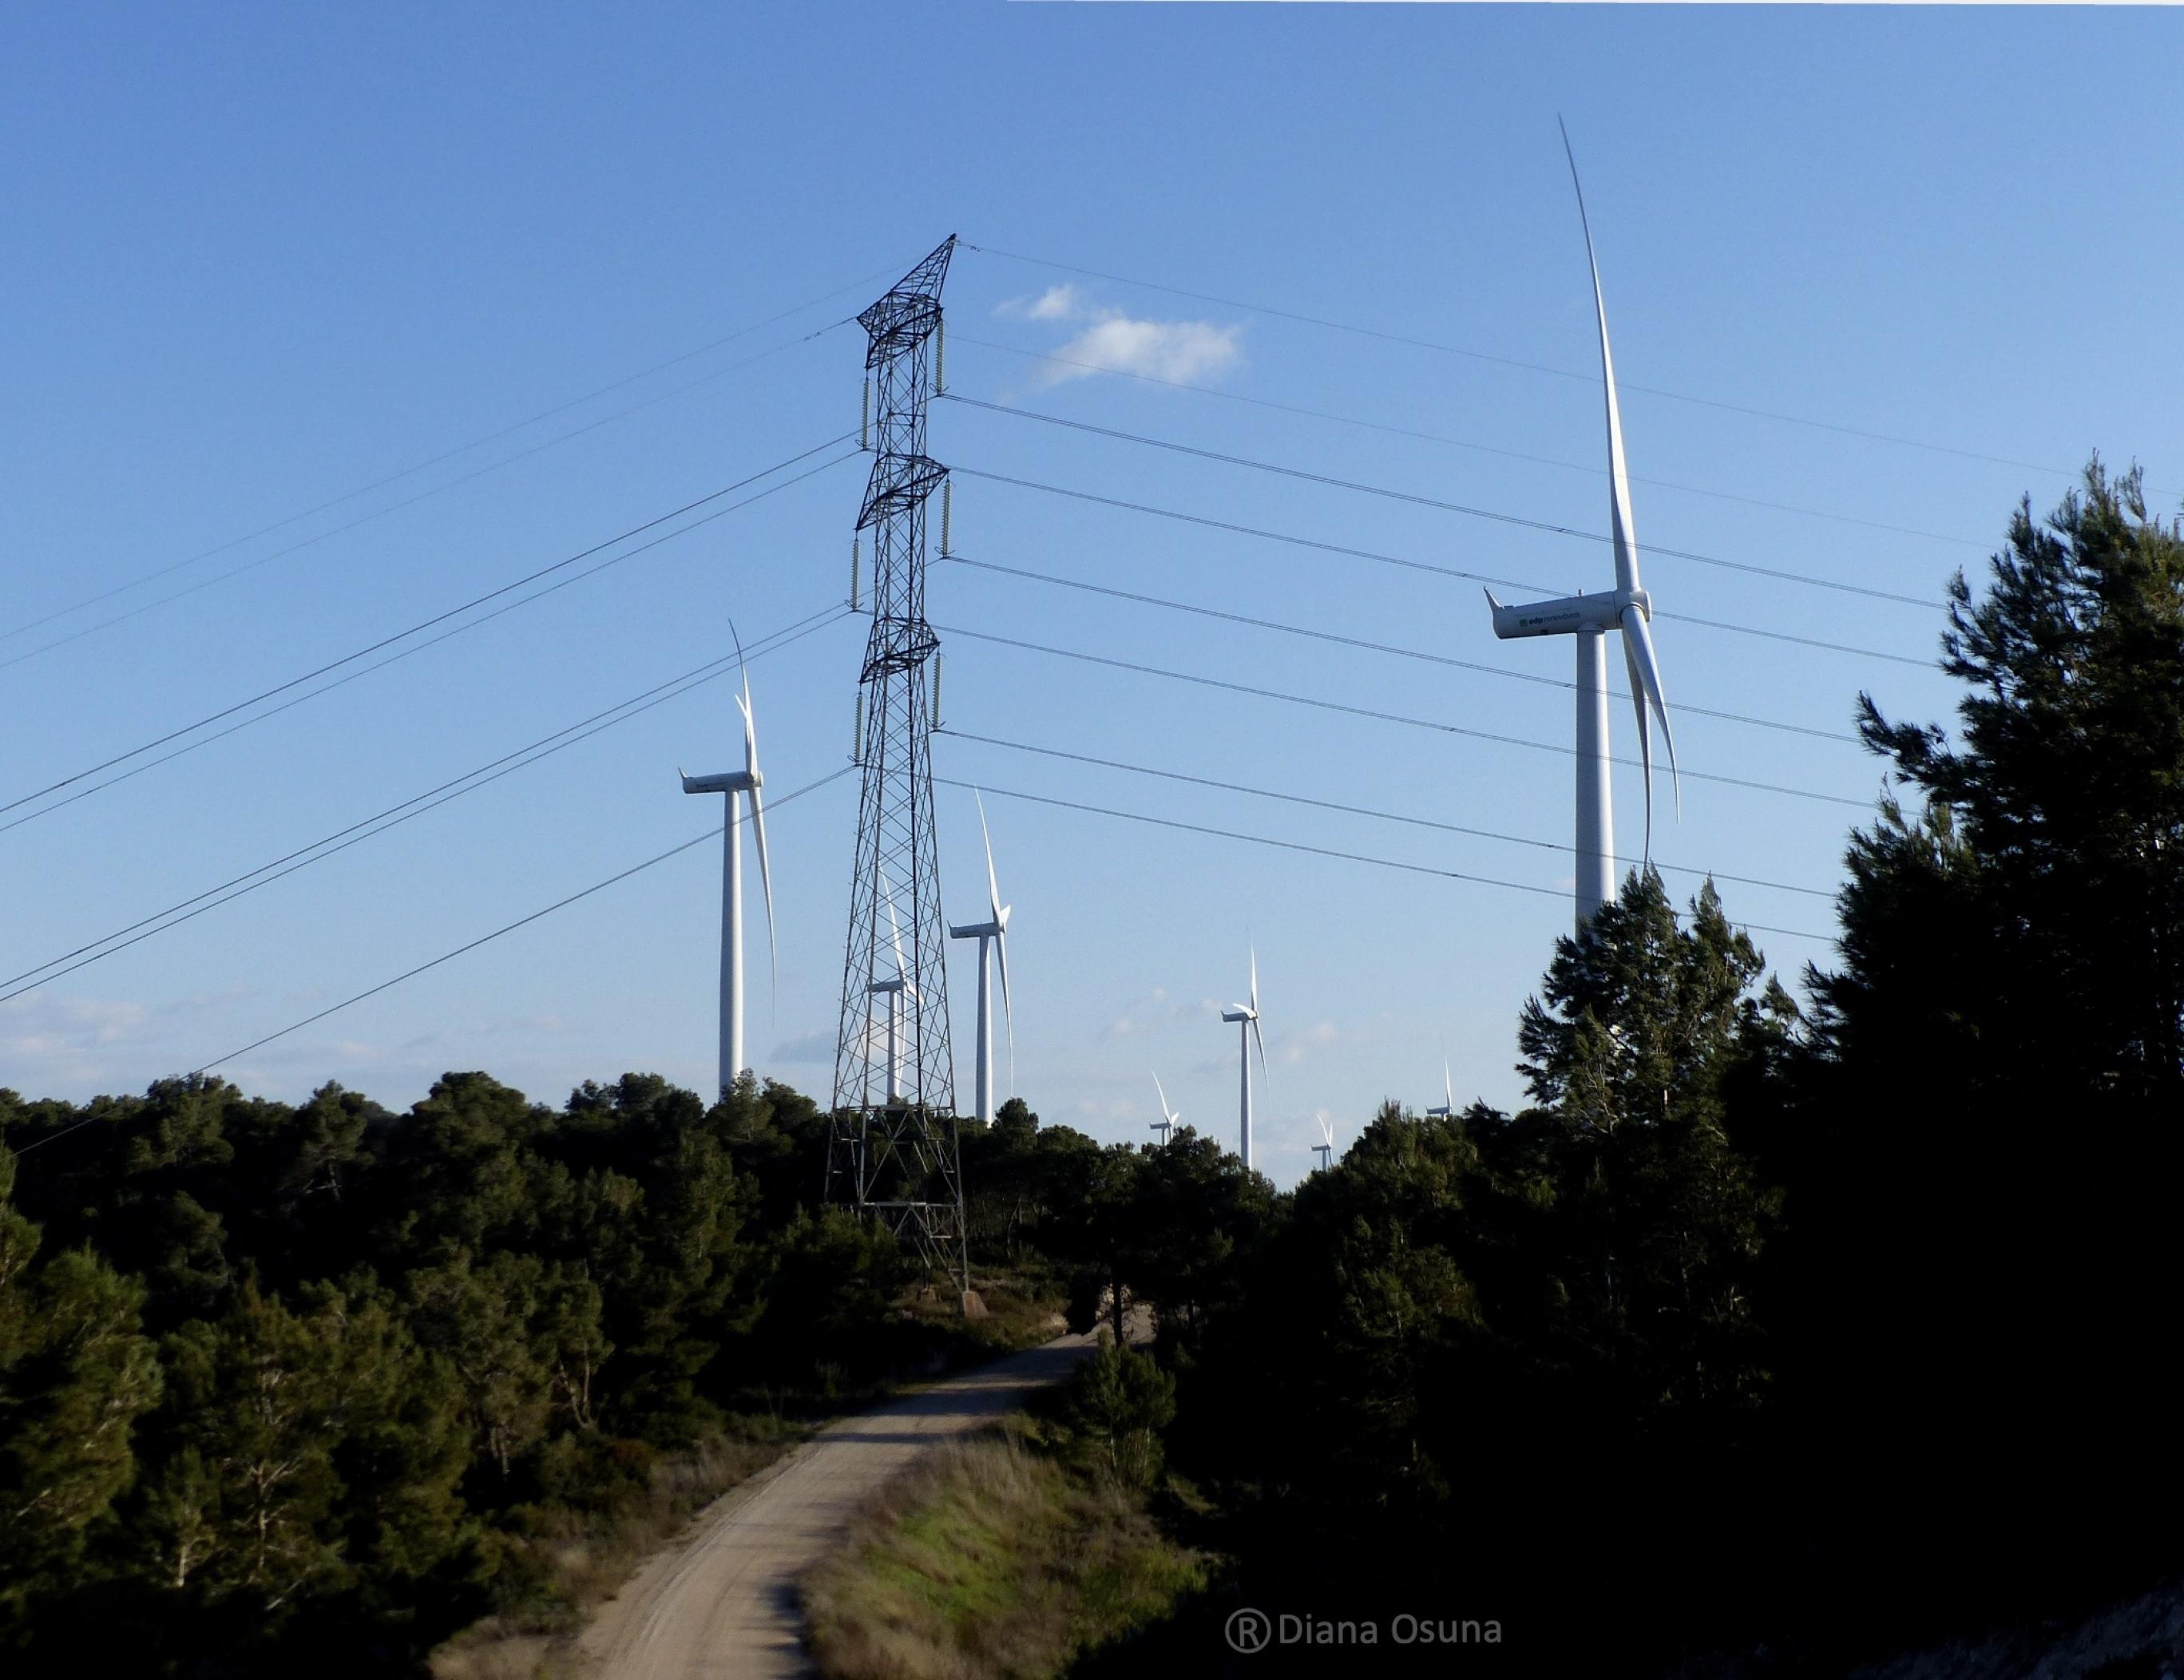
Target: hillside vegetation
x: 323, y: 1383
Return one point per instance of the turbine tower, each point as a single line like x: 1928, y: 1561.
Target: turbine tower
x: 892, y: 987
x: 1246, y: 1018
x: 994, y: 930
x: 735, y: 784
x: 1627, y: 608
x: 1447, y: 1095
x: 1169, y: 1118
x: 897, y: 1160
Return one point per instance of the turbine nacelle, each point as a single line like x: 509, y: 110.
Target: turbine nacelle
x: 1571, y: 613
x: 730, y: 782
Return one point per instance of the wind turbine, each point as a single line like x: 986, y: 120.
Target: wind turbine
x: 1246, y: 1018
x: 994, y: 929
x: 893, y: 989
x: 1169, y: 1118
x: 1447, y: 1094
x: 735, y: 784
x: 1589, y: 618
x: 1325, y: 1151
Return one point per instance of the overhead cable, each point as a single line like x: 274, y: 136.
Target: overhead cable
x: 1360, y: 810
x: 394, y: 816
x: 657, y: 857
x: 1415, y: 343
x: 477, y: 601
x: 713, y: 833
x: 1377, y: 716
x: 1394, y: 430
x: 523, y: 454
x: 479, y: 443
x: 1407, y: 563
x: 1561, y: 892
x: 1434, y: 502
x: 1375, y: 647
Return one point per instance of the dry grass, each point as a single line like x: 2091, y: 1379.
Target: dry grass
x: 583, y: 1559
x: 579, y: 1560
x: 1019, y: 1314
x: 986, y: 1561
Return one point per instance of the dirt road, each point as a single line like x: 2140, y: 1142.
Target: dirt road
x: 723, y: 1603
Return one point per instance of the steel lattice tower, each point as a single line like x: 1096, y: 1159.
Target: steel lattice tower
x: 893, y: 1151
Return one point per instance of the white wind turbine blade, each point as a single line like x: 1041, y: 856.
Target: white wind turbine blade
x: 1000, y: 916
x: 1255, y: 983
x: 895, y: 929
x: 1166, y: 1114
x: 1447, y: 1086
x: 758, y: 833
x: 1646, y: 688
x: 1618, y: 476
x: 1632, y: 615
x: 1260, y: 1039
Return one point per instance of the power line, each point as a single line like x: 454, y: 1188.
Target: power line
x: 1375, y: 647
x: 394, y: 815
x: 218, y: 578
x: 1362, y: 810
x: 1512, y: 362
x: 1407, y: 563
x: 1319, y: 851
x: 400, y: 654
x: 475, y: 443
x: 452, y: 612
x: 1394, y: 430
x: 1435, y: 503
x: 713, y: 833
x: 1378, y: 717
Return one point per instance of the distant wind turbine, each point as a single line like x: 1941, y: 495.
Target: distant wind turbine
x: 893, y: 989
x: 1447, y: 1094
x: 1169, y: 1118
x: 1246, y: 1018
x: 735, y: 784
x: 1627, y: 608
x: 1325, y: 1150
x: 994, y: 929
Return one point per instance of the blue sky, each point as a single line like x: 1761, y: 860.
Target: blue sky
x: 260, y: 259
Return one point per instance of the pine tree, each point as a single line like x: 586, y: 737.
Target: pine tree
x: 1659, y: 1215
x: 76, y: 1374
x: 1996, y: 1090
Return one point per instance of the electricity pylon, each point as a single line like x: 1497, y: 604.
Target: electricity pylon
x: 892, y: 1153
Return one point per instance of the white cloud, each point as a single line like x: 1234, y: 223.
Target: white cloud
x: 64, y: 1031
x: 1181, y: 351
x: 1055, y: 303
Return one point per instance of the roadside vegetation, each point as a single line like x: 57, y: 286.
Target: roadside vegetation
x: 1013, y: 1554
